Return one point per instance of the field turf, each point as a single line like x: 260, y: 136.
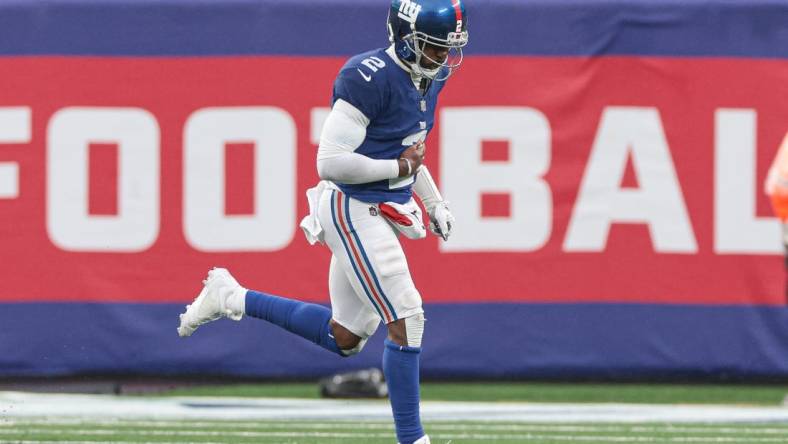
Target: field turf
x: 314, y: 432
x: 107, y: 429
x: 533, y: 392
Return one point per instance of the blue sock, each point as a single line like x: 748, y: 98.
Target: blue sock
x: 401, y: 367
x: 310, y: 321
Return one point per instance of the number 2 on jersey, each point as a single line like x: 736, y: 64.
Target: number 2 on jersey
x: 374, y: 64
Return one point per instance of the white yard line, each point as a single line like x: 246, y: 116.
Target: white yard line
x: 17, y: 405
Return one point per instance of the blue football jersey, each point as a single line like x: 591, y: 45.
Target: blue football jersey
x: 399, y: 117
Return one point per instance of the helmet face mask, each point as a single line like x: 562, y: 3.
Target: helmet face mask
x: 415, y: 25
x: 441, y: 69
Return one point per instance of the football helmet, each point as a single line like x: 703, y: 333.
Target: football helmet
x: 413, y: 24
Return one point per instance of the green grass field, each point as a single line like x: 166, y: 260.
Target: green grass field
x: 78, y: 429
x: 292, y: 432
x: 534, y: 392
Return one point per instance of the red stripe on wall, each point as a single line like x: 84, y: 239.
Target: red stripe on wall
x: 496, y: 205
x: 571, y: 101
x: 103, y: 179
x: 495, y: 151
x: 239, y: 182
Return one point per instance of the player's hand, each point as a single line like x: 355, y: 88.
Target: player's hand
x: 411, y: 159
x: 441, y: 220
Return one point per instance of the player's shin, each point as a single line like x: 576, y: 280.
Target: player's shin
x: 401, y: 367
x: 310, y: 321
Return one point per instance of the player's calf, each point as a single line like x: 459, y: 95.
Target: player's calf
x: 310, y: 321
x: 401, y: 367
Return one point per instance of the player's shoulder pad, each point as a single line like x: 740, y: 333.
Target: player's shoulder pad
x: 363, y: 83
x: 369, y: 67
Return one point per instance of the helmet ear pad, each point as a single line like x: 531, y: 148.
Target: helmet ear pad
x: 404, y: 52
x: 397, y: 31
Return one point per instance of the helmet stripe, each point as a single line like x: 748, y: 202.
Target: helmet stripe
x: 457, y: 10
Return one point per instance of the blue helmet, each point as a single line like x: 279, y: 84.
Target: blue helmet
x: 412, y: 24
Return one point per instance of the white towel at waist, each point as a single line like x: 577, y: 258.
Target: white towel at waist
x: 310, y: 223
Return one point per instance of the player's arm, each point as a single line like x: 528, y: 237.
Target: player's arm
x: 343, y: 132
x: 441, y: 219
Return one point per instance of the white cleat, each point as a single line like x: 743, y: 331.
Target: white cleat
x: 211, y: 303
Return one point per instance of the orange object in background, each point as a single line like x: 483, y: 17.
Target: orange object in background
x: 780, y: 204
x: 776, y: 185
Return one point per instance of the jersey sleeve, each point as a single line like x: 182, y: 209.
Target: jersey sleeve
x: 361, y: 89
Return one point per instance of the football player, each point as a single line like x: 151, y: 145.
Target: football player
x: 370, y: 161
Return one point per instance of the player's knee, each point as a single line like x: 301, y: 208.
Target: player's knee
x: 347, y: 352
x: 414, y: 329
x: 408, y: 331
x: 348, y: 342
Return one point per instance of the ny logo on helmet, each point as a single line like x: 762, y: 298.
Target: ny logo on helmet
x: 409, y: 10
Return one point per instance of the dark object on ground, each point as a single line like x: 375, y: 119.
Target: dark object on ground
x: 367, y: 383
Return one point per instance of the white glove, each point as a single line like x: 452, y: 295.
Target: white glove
x: 441, y: 220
